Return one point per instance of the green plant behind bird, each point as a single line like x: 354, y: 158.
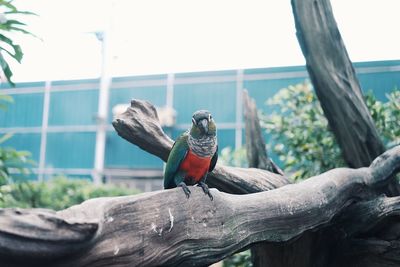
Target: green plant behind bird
x: 301, y: 134
x: 10, y: 23
x: 300, y: 131
x: 57, y: 194
x: 13, y: 163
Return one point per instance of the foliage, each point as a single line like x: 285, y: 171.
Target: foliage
x: 5, y: 100
x: 58, y: 193
x: 386, y: 116
x: 9, y: 24
x: 301, y: 135
x: 241, y: 259
x: 304, y: 144
x: 13, y: 163
x: 235, y: 157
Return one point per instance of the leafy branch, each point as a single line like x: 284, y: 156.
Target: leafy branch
x: 7, y: 45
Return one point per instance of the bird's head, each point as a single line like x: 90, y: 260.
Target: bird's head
x: 203, y: 124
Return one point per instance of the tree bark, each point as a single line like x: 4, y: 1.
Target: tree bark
x: 335, y: 82
x: 165, y: 228
x: 256, y: 150
x: 339, y: 92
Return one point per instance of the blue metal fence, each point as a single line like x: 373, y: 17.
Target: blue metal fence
x: 70, y: 130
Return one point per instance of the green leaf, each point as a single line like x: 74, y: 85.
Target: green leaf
x: 6, y: 69
x: 21, y: 12
x: 14, y: 22
x: 5, y: 137
x: 8, y: 5
x: 23, y: 153
x: 11, y: 25
x: 6, y: 98
x: 17, y: 55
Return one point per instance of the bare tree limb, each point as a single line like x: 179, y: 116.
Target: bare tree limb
x: 41, y: 234
x: 140, y: 126
x: 255, y: 145
x: 165, y: 228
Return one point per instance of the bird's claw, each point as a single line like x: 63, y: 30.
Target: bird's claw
x: 185, y: 189
x: 206, y: 190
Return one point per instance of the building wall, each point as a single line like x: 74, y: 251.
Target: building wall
x: 57, y: 121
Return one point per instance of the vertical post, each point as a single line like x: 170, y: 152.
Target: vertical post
x: 169, y: 103
x: 43, y: 137
x: 170, y: 90
x: 102, y: 115
x: 103, y: 106
x: 239, y: 109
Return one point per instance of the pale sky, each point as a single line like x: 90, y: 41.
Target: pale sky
x: 149, y: 37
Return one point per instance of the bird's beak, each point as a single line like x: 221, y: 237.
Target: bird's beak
x: 203, y: 125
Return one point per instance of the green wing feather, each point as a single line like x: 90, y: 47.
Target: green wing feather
x: 214, y: 160
x: 175, y: 158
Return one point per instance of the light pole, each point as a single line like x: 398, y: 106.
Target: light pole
x: 102, y: 113
x: 104, y: 92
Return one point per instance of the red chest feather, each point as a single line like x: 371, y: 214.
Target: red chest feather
x: 195, y: 166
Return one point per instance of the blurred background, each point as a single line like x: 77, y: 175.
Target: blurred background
x: 90, y: 58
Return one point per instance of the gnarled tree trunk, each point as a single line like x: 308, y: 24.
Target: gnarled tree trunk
x: 335, y: 82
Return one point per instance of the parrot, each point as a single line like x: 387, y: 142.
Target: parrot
x: 193, y: 155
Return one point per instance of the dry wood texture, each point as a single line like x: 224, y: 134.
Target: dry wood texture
x: 166, y: 228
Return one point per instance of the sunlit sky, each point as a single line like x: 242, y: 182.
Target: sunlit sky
x: 148, y: 37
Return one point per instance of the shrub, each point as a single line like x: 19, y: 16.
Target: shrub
x: 241, y: 259
x: 231, y: 157
x: 300, y: 130
x: 57, y: 193
x: 13, y: 163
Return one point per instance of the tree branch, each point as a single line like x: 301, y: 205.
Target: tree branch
x: 255, y: 145
x: 42, y: 235
x: 153, y: 228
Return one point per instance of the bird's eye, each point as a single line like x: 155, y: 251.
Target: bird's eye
x: 194, y: 121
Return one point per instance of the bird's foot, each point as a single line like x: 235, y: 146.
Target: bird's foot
x: 185, y: 189
x: 206, y: 190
